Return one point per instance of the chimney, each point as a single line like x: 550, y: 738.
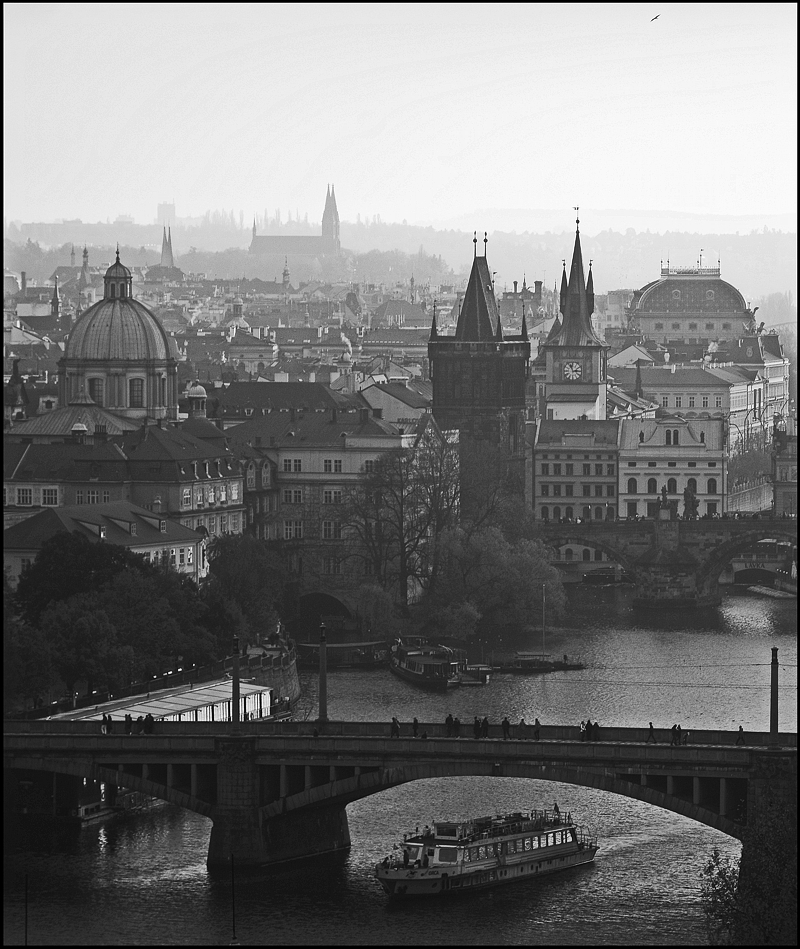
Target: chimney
x: 156, y: 505
x: 24, y: 281
x: 515, y: 288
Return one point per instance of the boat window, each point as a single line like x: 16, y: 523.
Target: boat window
x: 481, y: 852
x: 473, y: 853
x: 550, y: 838
x: 448, y: 854
x: 413, y: 852
x: 512, y: 846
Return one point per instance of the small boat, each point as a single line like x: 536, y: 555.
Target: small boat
x: 606, y: 575
x: 431, y: 666
x: 455, y: 856
x: 477, y: 674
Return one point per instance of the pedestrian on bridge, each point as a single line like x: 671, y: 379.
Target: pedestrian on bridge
x: 506, y: 728
x: 415, y: 727
x: 740, y: 736
x: 582, y: 730
x: 522, y: 728
x: 485, y: 727
x: 476, y: 727
x: 673, y: 735
x: 395, y: 730
x: 448, y: 724
x: 651, y: 735
x: 456, y: 727
x: 678, y: 734
x: 536, y: 726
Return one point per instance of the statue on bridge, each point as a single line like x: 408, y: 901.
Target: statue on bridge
x: 689, y: 504
x: 664, y: 502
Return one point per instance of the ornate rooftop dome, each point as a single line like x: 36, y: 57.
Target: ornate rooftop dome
x: 691, y: 290
x: 117, y: 327
x: 196, y: 391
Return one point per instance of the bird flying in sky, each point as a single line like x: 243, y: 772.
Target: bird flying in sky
x: 656, y: 17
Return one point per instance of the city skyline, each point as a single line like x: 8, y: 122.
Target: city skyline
x: 415, y: 113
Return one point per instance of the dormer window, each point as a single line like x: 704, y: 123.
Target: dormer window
x: 112, y: 291
x: 163, y: 527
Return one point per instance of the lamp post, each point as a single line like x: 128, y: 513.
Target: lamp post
x: 323, y: 676
x: 235, y: 687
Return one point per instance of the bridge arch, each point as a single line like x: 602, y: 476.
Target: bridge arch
x: 351, y: 789
x: 569, y: 534
x: 710, y: 570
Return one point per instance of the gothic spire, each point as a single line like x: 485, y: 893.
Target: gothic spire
x: 577, y: 304
x: 434, y: 328
x: 524, y: 333
x: 479, y: 318
x: 638, y: 388
x: 590, y: 291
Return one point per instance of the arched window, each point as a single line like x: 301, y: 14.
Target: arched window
x: 669, y: 437
x: 598, y: 555
x: 587, y: 512
x: 610, y: 512
x: 674, y: 436
x: 556, y: 513
x: 136, y: 393
x: 96, y: 391
x: 587, y: 554
x: 672, y: 486
x: 652, y: 487
x: 702, y: 438
x: 568, y: 513
x: 633, y: 486
x: 691, y: 484
x: 598, y: 514
x: 112, y: 290
x: 641, y: 436
x: 122, y: 290
x: 545, y: 514
x: 569, y: 553
x: 711, y: 487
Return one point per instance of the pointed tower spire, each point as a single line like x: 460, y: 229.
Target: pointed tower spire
x: 638, y: 388
x: 562, y: 301
x: 524, y: 333
x: 499, y: 334
x: 72, y: 256
x: 434, y: 328
x: 590, y: 291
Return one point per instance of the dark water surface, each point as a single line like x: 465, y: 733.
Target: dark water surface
x: 143, y: 880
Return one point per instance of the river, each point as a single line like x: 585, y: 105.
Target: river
x: 143, y: 880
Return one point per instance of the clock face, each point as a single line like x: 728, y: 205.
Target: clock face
x: 572, y: 370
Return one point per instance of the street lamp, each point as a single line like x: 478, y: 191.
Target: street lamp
x: 323, y: 676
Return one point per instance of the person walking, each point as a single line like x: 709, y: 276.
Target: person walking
x: 415, y: 727
x: 128, y: 723
x: 395, y: 732
x: 589, y: 729
x: 506, y: 728
x: 536, y: 726
x: 521, y: 728
x: 109, y: 726
x: 678, y: 734
x: 149, y: 724
x: 104, y: 726
x: 582, y: 730
x: 740, y: 736
x: 673, y: 735
x: 448, y: 725
x: 651, y: 735
x: 485, y: 727
x: 476, y: 727
x: 456, y: 727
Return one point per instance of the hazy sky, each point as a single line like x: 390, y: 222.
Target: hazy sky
x: 418, y: 112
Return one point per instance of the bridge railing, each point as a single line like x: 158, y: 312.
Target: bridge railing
x: 433, y: 731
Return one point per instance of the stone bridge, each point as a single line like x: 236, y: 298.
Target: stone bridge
x: 672, y: 563
x: 278, y: 791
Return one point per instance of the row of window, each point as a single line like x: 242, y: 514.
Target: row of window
x: 135, y: 392
x: 568, y: 489
x: 672, y: 486
x: 25, y: 497
x: 691, y: 401
x: 585, y: 457
x: 293, y: 530
x: 694, y: 326
x: 329, y: 465
x: 329, y: 496
x: 176, y: 556
x: 520, y: 845
x: 210, y: 523
x: 210, y: 494
x: 610, y: 470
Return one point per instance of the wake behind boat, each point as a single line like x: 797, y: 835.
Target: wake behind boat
x: 484, y: 852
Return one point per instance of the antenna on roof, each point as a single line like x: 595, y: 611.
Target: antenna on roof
x: 475, y: 243
x: 485, y: 242
x: 577, y: 217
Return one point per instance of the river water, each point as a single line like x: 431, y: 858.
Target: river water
x: 143, y: 880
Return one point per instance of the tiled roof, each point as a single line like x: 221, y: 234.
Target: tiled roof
x: 307, y: 431
x: 311, y: 396
x: 551, y: 430
x: 479, y: 318
x: 60, y: 422
x: 64, y: 462
x: 401, y: 393
x: 116, y: 517
x: 655, y: 378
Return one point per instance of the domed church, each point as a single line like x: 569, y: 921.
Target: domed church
x: 119, y: 355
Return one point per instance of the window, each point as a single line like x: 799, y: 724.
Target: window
x: 212, y: 524
x: 674, y: 436
x: 235, y: 523
x: 136, y: 393
x: 676, y: 294
x: 659, y: 326
x: 327, y: 466
x: 251, y: 476
x: 631, y: 464
x: 211, y: 494
x: 711, y: 487
x: 569, y: 513
x: 568, y: 490
x: 691, y: 401
x: 676, y: 326
x: 691, y: 484
x: 92, y: 496
x: 709, y: 326
x: 79, y: 497
x: 189, y: 556
x: 693, y: 326
x: 297, y: 464
x: 718, y: 401
x: 598, y: 470
x: 369, y: 466
x: 337, y: 466
x: 610, y: 471
x: 182, y: 556
x: 610, y: 490
x: 587, y: 490
x: 293, y: 496
x: 598, y: 514
x: 287, y: 464
x: 556, y: 469
x: 50, y: 496
x: 587, y: 470
x: 330, y: 566
x: 705, y: 402
x: 632, y: 509
x: 556, y: 513
x: 569, y: 553
x: 24, y: 497
x: 234, y: 490
x: 556, y: 490
x: 332, y: 496
x: 651, y: 464
x: 292, y: 530
x: 187, y: 497
x: 633, y: 486
x: 669, y: 437
x: 598, y: 490
x: 96, y: 391
x: 545, y: 490
x: 652, y: 486
x: 223, y: 523
x: 172, y: 554
x: 678, y: 401
x: 665, y: 401
x: 331, y: 530
x: 545, y: 469
x: 672, y: 486
x: 106, y: 497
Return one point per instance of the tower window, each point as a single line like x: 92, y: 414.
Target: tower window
x: 96, y: 391
x: 136, y: 393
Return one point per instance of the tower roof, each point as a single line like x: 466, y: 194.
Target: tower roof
x: 577, y: 304
x: 479, y: 318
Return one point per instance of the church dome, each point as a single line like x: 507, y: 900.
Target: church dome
x: 196, y: 391
x: 117, y: 329
x: 118, y: 271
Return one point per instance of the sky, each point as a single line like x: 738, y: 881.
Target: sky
x: 416, y: 112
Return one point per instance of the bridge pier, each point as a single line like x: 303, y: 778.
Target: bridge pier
x: 672, y: 583
x: 239, y: 827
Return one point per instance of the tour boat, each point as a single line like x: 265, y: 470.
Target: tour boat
x: 453, y: 856
x: 430, y: 666
x: 538, y: 662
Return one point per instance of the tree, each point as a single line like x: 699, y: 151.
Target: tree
x: 399, y: 509
x: 68, y: 564
x: 243, y: 571
x: 719, y: 880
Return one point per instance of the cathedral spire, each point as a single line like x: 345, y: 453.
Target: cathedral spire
x: 562, y: 300
x: 479, y: 319
x: 166, y: 249
x: 434, y: 329
x: 638, y: 388
x: 590, y: 290
x: 577, y: 302
x: 524, y: 333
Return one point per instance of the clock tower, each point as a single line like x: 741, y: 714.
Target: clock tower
x: 575, y: 356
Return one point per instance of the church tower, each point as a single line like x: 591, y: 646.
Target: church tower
x: 576, y: 377
x: 55, y: 303
x: 167, y: 259
x: 330, y: 223
x: 480, y: 374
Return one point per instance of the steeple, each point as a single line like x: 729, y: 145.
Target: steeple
x: 577, y: 303
x: 254, y: 228
x: 166, y: 250
x: 169, y: 241
x: 479, y: 319
x: 55, y: 302
x: 638, y: 389
x: 330, y: 218
x: 590, y: 291
x: 524, y: 333
x: 72, y: 256
x: 562, y: 300
x: 285, y: 273
x: 434, y: 329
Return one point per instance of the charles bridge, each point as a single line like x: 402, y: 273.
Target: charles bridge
x: 672, y: 563
x: 278, y: 790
